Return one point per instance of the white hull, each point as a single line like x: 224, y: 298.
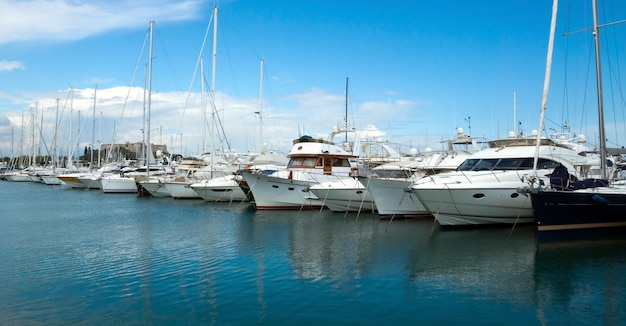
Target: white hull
x: 220, y: 189
x: 50, y: 180
x: 344, y: 195
x: 275, y: 192
x: 394, y: 198
x: 155, y: 187
x: 180, y: 190
x: 91, y: 181
x: 19, y: 177
x: 71, y: 180
x: 488, y: 187
x: 477, y: 203
x: 118, y: 184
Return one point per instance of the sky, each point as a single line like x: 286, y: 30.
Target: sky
x: 410, y: 72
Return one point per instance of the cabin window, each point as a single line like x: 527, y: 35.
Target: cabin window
x: 525, y: 163
x: 302, y: 162
x: 546, y: 164
x: 468, y: 164
x: 309, y: 162
x: 514, y: 164
x: 341, y: 162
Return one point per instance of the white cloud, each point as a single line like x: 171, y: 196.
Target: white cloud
x: 63, y: 20
x: 174, y: 114
x: 6, y: 65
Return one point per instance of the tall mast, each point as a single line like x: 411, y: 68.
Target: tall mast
x: 93, y: 126
x: 261, y: 109
x: 212, y: 130
x: 346, y: 113
x: 54, y: 139
x: 143, y: 127
x: 596, y: 34
x: 32, y: 127
x: 149, y: 145
x: 203, y: 105
x: 70, y: 150
x: 99, y: 139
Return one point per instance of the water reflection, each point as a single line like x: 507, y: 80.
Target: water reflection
x: 131, y: 261
x: 582, y: 279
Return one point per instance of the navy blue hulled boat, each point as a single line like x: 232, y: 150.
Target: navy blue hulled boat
x: 589, y: 206
x: 591, y: 210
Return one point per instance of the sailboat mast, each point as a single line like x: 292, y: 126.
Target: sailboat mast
x: 203, y: 105
x: 261, y: 108
x: 93, y: 126
x: 212, y: 129
x: 596, y: 34
x: 56, y: 132
x: 143, y: 126
x: 148, y: 143
x: 70, y: 150
x: 99, y: 139
x: 346, y: 113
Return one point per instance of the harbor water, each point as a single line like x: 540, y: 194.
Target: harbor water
x: 75, y: 257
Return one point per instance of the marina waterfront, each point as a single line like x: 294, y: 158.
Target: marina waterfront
x: 83, y: 257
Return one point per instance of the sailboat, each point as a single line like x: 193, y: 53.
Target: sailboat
x: 226, y: 188
x: 124, y: 182
x: 587, y: 207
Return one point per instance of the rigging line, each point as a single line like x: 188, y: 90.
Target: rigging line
x: 395, y: 211
x: 585, y: 93
x: 362, y: 194
x: 324, y: 202
x: 244, y: 40
x: 518, y: 216
x: 117, y: 125
x: 591, y: 28
x: 617, y: 81
x: 168, y: 61
x: 195, y: 71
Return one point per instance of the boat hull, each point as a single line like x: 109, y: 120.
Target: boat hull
x: 271, y: 192
x: 91, y: 181
x: 116, y: 184
x: 394, y: 198
x: 71, y: 181
x: 581, y: 211
x: 181, y: 190
x: 51, y: 180
x: 498, y: 204
x: 220, y: 189
x: 345, y: 195
x: 19, y: 177
x: 155, y: 188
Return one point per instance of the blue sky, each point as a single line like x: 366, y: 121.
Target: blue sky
x: 417, y: 69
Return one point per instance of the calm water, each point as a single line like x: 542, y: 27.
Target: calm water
x: 83, y: 257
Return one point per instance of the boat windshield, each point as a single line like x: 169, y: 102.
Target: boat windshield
x: 488, y: 164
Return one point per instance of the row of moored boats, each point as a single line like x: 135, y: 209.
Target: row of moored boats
x: 552, y: 182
